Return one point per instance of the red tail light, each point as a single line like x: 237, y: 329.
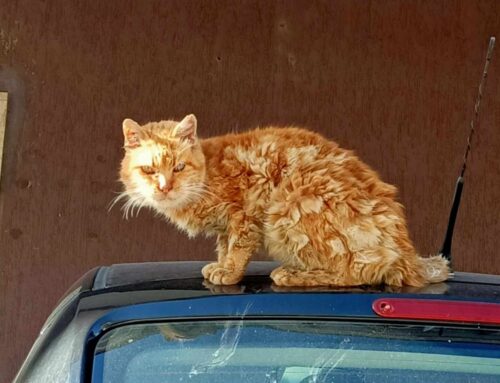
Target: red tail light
x: 439, y: 310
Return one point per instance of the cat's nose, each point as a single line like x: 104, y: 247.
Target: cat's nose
x: 166, y: 188
x: 164, y: 185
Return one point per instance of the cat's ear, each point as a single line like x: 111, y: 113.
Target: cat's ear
x: 186, y: 129
x: 131, y: 131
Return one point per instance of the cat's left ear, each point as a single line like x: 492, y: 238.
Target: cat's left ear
x: 186, y: 129
x: 131, y: 131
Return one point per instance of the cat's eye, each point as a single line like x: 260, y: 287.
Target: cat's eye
x: 180, y: 166
x: 148, y: 169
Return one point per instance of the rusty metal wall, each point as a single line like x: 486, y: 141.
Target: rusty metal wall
x: 394, y: 80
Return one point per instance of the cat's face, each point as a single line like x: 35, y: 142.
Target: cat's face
x: 163, y: 166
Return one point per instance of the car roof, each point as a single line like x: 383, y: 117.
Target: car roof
x: 187, y: 275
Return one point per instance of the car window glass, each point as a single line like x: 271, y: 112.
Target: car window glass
x: 251, y: 351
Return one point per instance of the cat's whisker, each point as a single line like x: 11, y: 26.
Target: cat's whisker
x: 118, y: 198
x: 199, y: 189
x: 193, y: 196
x: 143, y: 203
x: 194, y: 190
x: 134, y: 201
x: 188, y: 189
x: 126, y: 208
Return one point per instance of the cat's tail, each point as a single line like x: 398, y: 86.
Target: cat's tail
x: 419, y: 271
x: 435, y: 269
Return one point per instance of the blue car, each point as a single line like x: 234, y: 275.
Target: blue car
x: 161, y: 322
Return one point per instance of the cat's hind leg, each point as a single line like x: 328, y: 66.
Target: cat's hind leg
x: 283, y: 276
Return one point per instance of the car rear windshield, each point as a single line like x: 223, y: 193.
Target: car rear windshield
x: 295, y: 351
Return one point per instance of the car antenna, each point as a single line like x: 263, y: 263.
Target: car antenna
x: 446, y: 248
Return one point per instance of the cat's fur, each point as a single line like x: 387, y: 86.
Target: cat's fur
x: 312, y: 205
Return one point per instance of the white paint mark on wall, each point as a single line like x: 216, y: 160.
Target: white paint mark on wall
x: 3, y: 121
x: 7, y: 42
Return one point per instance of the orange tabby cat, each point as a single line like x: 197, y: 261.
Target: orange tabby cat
x: 315, y: 207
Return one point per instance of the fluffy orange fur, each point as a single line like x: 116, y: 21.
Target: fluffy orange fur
x: 312, y: 205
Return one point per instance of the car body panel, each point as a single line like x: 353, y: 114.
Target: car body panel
x: 112, y: 296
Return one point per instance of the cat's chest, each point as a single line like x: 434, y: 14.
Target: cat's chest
x: 184, y: 224
x: 196, y: 223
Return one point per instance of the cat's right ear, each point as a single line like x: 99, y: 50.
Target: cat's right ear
x: 186, y: 129
x: 131, y: 131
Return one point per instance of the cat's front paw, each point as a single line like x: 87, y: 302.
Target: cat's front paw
x: 221, y: 276
x: 207, y: 269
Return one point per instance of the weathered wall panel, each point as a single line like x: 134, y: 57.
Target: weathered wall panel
x: 394, y: 80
